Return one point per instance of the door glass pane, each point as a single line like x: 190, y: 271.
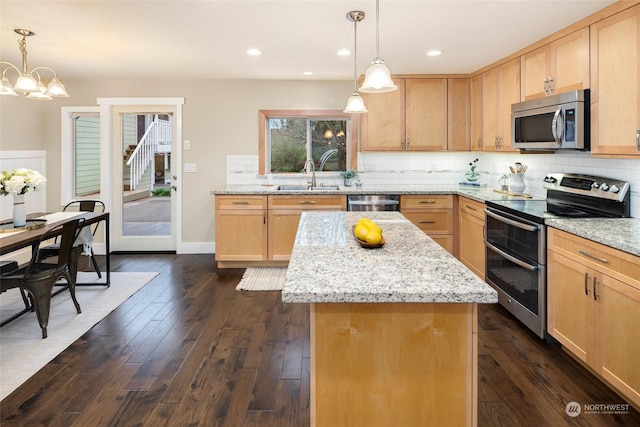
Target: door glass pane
x: 86, y: 155
x: 146, y: 174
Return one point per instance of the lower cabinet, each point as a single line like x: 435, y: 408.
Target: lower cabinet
x: 471, y: 221
x: 433, y: 214
x: 594, y: 308
x: 284, y: 216
x: 241, y: 228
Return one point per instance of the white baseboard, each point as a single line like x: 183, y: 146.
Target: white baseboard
x: 196, y: 248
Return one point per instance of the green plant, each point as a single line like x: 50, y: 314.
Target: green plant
x: 162, y: 192
x: 348, y: 174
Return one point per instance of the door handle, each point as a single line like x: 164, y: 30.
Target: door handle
x: 175, y: 177
x: 174, y: 188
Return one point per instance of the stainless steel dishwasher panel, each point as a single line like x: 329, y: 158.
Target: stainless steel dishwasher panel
x: 373, y: 202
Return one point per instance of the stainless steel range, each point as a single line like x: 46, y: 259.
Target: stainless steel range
x: 516, y: 238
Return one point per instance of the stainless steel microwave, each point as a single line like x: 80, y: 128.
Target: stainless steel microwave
x: 554, y: 122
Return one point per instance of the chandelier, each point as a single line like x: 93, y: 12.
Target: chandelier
x: 29, y: 82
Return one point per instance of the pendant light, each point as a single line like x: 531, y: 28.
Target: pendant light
x: 355, y: 103
x: 377, y: 79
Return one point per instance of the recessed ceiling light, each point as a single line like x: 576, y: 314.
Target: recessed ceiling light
x: 434, y: 52
x: 254, y: 52
x: 308, y: 73
x: 344, y: 52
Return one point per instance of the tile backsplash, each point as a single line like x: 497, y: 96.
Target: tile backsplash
x: 449, y: 168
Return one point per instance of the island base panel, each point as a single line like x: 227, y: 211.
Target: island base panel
x: 383, y: 364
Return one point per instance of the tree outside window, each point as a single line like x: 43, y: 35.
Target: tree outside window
x: 293, y: 141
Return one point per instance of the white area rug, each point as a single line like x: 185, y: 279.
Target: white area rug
x: 23, y: 351
x: 262, y: 279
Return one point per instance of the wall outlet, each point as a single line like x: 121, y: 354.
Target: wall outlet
x: 187, y: 144
x: 190, y: 167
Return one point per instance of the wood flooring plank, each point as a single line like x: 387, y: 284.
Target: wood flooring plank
x: 267, y: 377
x: 240, y: 388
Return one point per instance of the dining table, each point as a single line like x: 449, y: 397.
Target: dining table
x: 15, y: 239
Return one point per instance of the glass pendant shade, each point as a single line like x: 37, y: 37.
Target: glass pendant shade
x: 26, y: 83
x: 6, y: 88
x: 56, y: 89
x: 355, y: 104
x: 377, y: 79
x: 39, y: 95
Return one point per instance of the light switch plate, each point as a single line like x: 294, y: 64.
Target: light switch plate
x: 190, y: 167
x: 187, y: 144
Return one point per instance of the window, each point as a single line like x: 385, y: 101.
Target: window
x: 290, y: 138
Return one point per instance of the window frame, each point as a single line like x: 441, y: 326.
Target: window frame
x: 352, y: 132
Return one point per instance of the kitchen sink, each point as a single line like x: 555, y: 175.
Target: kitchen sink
x: 306, y: 187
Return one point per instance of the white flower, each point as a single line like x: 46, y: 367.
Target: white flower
x: 20, y: 181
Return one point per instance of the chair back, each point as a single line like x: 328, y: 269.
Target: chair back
x: 86, y: 206
x: 66, y: 234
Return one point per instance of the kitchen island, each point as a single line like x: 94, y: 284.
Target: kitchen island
x: 393, y: 329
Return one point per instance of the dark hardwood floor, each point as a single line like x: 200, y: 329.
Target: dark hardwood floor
x: 188, y: 350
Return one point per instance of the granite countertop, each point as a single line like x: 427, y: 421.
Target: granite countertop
x: 481, y: 194
x: 618, y: 233
x: 328, y: 265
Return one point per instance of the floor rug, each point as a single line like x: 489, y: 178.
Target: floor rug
x: 262, y: 279
x: 23, y: 351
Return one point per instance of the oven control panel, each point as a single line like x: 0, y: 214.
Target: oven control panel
x: 594, y: 186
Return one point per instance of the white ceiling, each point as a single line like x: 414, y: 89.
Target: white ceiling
x: 112, y: 39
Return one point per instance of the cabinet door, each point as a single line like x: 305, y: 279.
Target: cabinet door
x: 570, y: 62
x: 426, y: 114
x: 283, y: 226
x: 570, y: 305
x: 617, y: 335
x: 458, y: 115
x: 241, y: 235
x: 476, y: 113
x: 490, y: 108
x: 615, y: 84
x: 509, y: 94
x: 471, y: 249
x: 383, y: 126
x: 434, y: 221
x: 536, y: 70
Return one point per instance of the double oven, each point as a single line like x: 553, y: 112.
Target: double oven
x: 515, y: 238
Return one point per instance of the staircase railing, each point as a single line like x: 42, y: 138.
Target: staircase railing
x: 142, y: 156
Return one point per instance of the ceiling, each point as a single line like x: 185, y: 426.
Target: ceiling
x: 208, y: 39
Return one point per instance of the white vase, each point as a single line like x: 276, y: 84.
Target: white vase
x: 19, y: 212
x: 517, y: 184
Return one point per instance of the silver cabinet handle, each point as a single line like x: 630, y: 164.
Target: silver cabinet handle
x: 408, y: 144
x: 471, y: 208
x: 546, y: 86
x: 427, y: 202
x: 586, y: 283
x: 239, y: 203
x: 638, y: 139
x: 306, y: 202
x: 404, y: 144
x: 595, y: 294
x: 587, y: 254
x: 427, y: 222
x: 480, y: 141
x: 550, y: 85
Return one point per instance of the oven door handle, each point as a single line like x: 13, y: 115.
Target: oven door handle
x: 511, y: 222
x: 510, y: 258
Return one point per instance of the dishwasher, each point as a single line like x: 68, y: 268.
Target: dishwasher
x: 373, y: 202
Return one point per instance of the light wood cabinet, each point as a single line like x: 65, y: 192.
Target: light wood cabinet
x: 558, y: 67
x: 433, y: 214
x: 411, y: 118
x: 471, y: 222
x: 476, y: 112
x: 500, y: 89
x: 458, y: 115
x: 594, y: 307
x: 615, y: 84
x: 241, y: 228
x: 284, y: 213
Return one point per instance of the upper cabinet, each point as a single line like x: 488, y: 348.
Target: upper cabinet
x: 500, y: 89
x: 459, y: 115
x: 476, y: 112
x: 412, y: 118
x: 615, y: 87
x: 558, y: 67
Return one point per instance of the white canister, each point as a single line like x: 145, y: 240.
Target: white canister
x: 516, y: 183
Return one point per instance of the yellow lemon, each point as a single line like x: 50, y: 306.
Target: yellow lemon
x: 374, y: 227
x: 374, y: 238
x: 361, y: 232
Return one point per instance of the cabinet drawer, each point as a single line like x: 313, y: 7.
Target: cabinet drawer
x: 432, y: 222
x: 426, y: 201
x: 320, y: 202
x: 472, y: 207
x: 241, y: 202
x: 617, y: 264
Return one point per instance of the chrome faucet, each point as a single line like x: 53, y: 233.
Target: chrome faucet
x: 313, y: 171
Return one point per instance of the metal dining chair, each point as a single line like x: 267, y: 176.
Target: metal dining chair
x: 79, y: 206
x: 39, y: 278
